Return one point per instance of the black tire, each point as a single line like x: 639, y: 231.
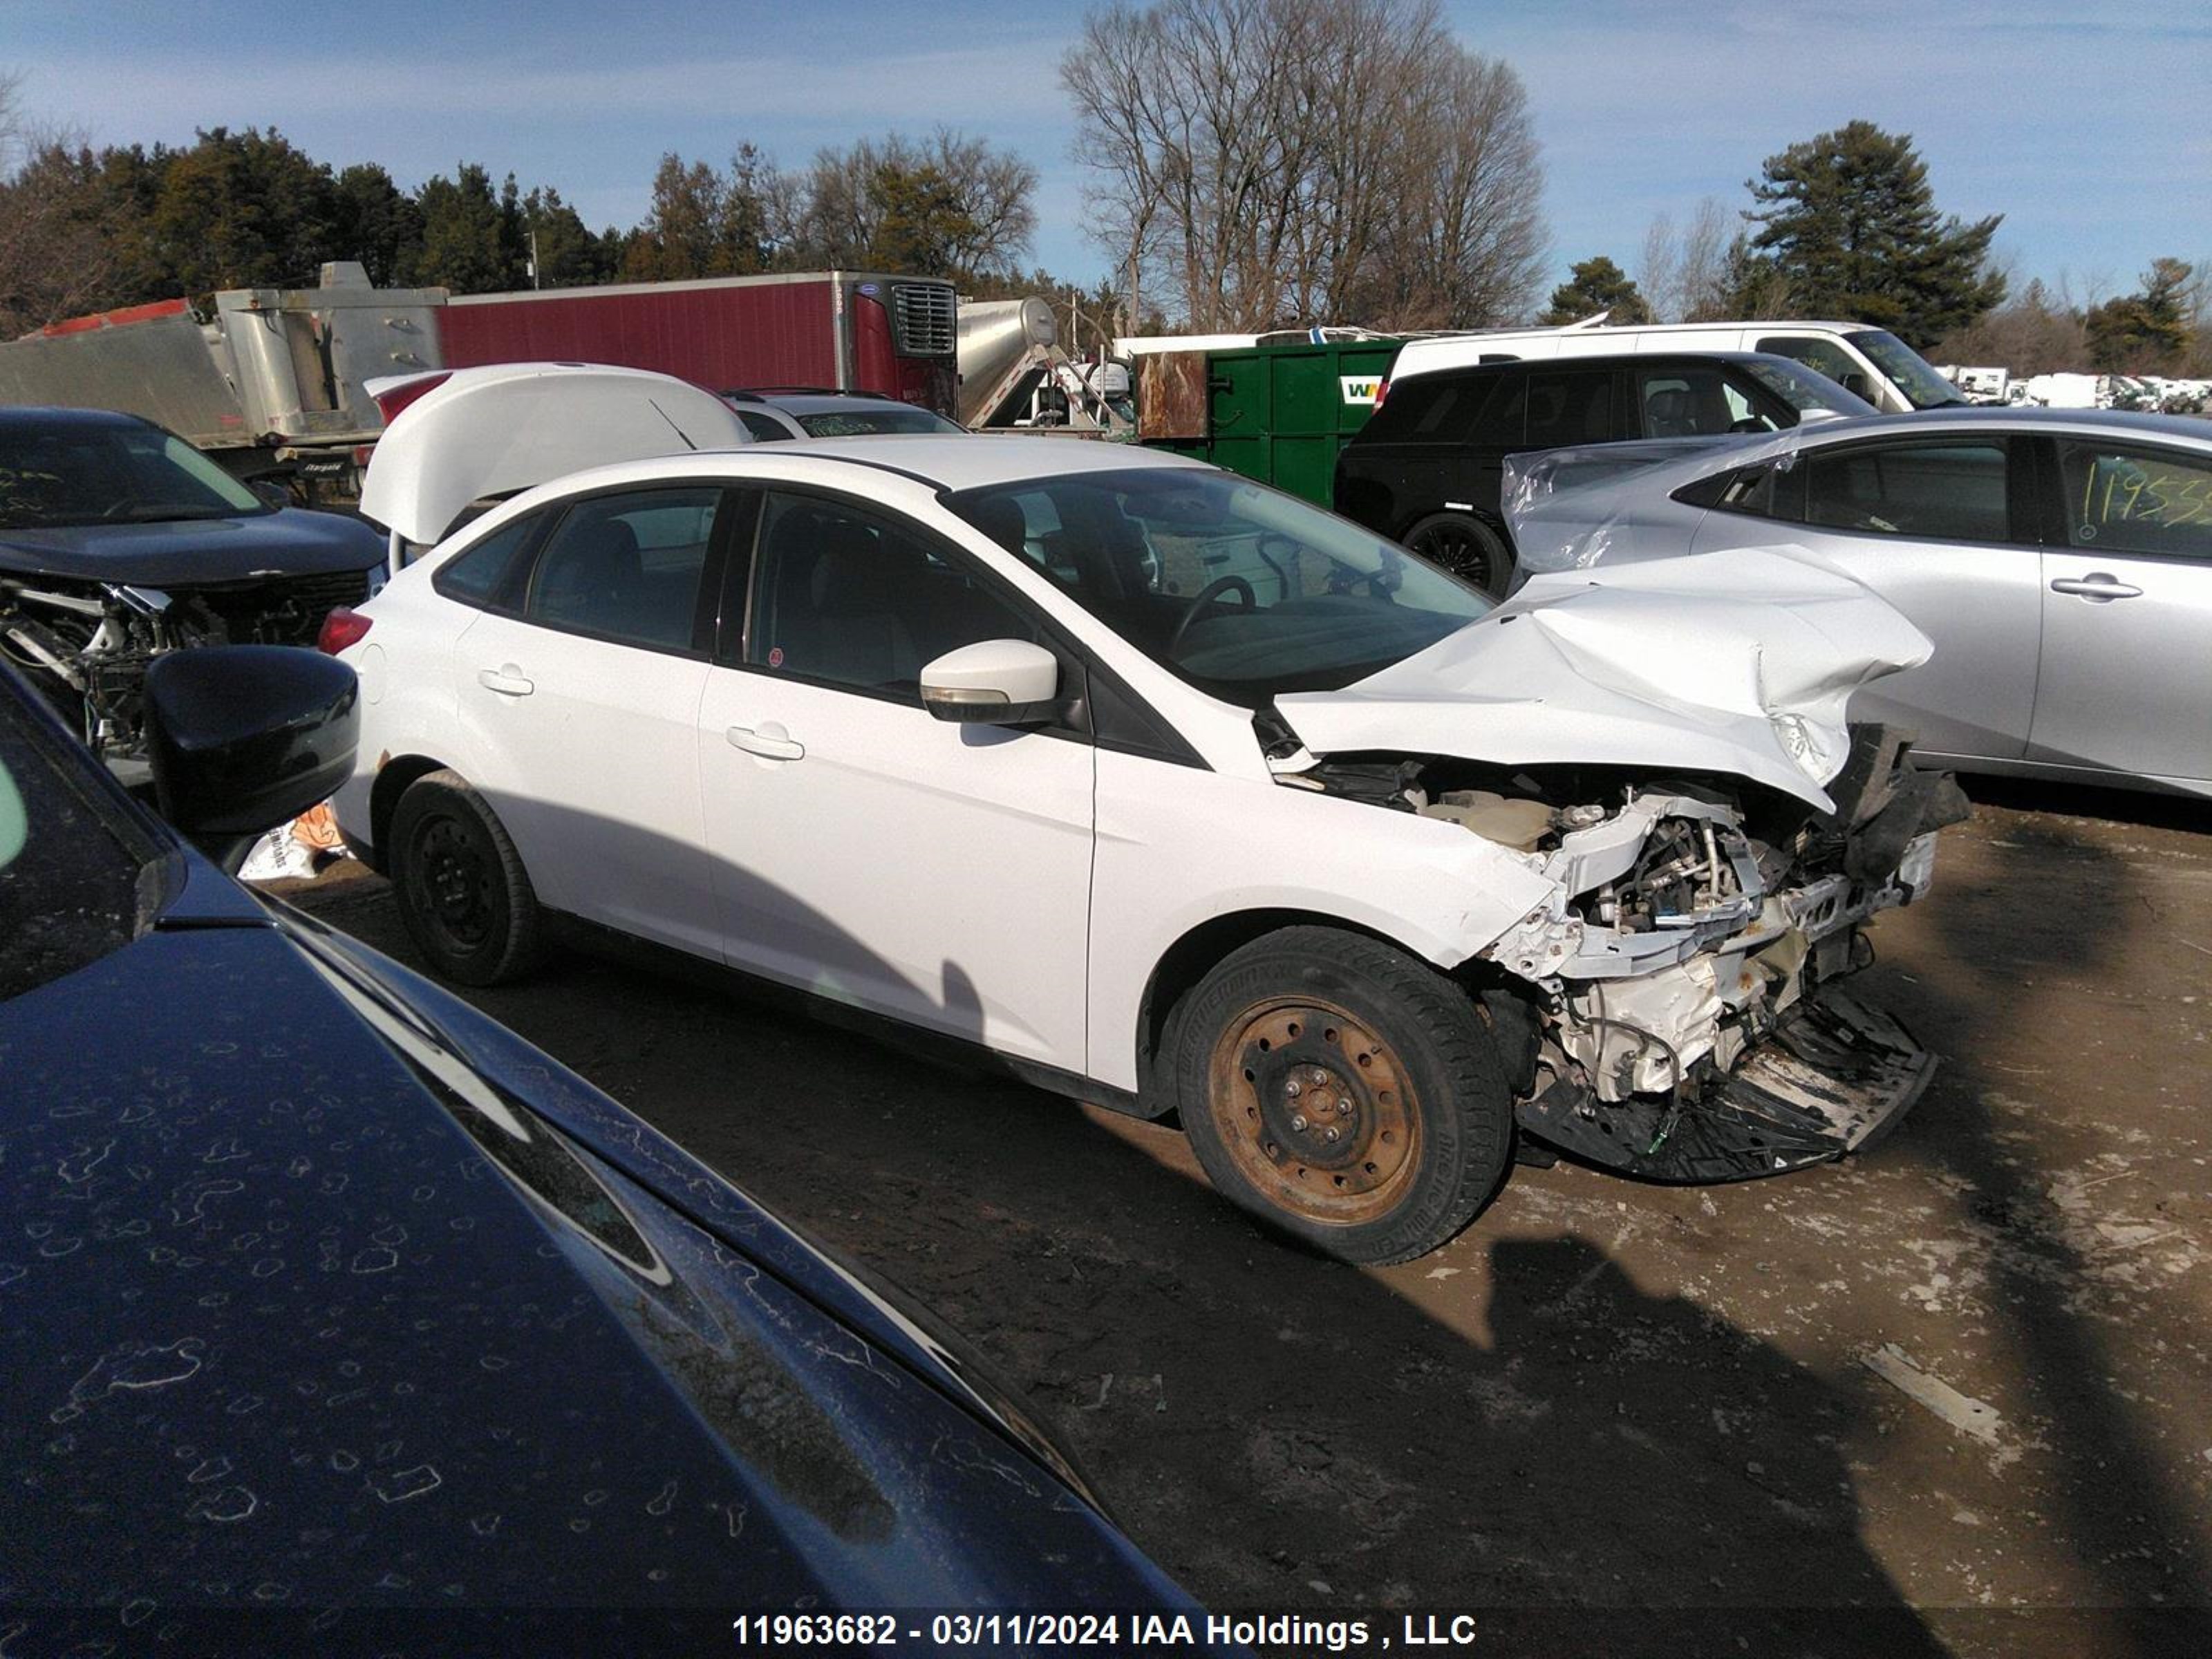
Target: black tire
x: 463, y: 895
x: 1310, y: 1031
x: 1469, y: 548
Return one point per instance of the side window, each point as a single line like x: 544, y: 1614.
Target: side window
x: 1569, y: 407
x: 765, y: 428
x: 1694, y: 402
x: 475, y: 576
x: 1952, y: 492
x: 859, y: 599
x: 2136, y: 500
x: 1822, y: 356
x: 627, y: 566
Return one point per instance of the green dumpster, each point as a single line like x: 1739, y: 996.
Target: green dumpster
x: 1277, y: 413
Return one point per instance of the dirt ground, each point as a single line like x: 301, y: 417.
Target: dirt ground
x: 1965, y: 1375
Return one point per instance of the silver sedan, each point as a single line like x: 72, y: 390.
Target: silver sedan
x: 2061, y: 561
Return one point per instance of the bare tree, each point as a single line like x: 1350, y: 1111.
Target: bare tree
x: 55, y: 260
x: 1284, y: 161
x: 1685, y: 273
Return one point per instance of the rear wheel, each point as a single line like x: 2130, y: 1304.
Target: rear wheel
x: 463, y: 895
x: 1469, y: 548
x: 1343, y: 1091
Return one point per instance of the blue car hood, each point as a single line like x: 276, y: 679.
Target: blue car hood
x: 319, y: 1291
x: 195, y: 552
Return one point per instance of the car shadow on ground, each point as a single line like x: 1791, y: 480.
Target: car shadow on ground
x: 2023, y: 1163
x: 1614, y: 1471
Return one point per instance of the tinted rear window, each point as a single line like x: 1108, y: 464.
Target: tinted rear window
x: 1570, y: 407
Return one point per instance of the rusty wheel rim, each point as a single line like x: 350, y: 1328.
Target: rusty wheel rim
x: 1314, y: 1110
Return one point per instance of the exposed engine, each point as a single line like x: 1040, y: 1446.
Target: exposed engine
x: 87, y: 644
x: 1688, y: 950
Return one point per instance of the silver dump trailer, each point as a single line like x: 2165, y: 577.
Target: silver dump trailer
x: 269, y: 381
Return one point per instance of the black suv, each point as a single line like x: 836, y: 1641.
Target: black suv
x: 1425, y: 470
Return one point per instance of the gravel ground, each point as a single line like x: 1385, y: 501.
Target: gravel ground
x: 1957, y: 1387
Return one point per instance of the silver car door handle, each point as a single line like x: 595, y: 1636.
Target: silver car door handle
x: 770, y: 742
x: 2096, y: 585
x: 506, y: 679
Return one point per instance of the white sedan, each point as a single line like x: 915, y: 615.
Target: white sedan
x: 1163, y: 790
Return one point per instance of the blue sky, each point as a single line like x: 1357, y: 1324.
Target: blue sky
x: 2083, y: 124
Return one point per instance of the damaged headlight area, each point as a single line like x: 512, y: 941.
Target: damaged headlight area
x: 1684, y: 963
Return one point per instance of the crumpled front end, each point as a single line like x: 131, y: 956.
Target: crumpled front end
x: 1684, y: 968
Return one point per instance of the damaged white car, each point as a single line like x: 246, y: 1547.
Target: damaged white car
x: 1165, y: 791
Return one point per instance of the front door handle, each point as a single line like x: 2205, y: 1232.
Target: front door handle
x: 2098, y: 586
x: 506, y: 679
x: 768, y: 740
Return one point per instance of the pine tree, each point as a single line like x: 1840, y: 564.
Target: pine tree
x: 1849, y: 222
x: 2143, y: 333
x: 1596, y: 285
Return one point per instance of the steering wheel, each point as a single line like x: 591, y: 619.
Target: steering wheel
x: 1206, y: 595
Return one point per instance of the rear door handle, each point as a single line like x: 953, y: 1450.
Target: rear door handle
x: 506, y: 679
x: 768, y: 740
x: 2097, y: 585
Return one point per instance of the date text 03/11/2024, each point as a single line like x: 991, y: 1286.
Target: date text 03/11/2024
x: 1168, y: 1632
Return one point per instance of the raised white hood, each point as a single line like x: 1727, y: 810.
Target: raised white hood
x: 1740, y: 663
x: 504, y: 427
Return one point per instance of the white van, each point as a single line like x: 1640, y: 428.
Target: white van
x: 1871, y: 361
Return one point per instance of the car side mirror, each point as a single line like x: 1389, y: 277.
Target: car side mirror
x: 993, y: 682
x: 1857, y: 383
x: 243, y: 737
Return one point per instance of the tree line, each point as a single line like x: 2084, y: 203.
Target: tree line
x: 84, y: 229
x: 1844, y: 226
x: 1250, y: 165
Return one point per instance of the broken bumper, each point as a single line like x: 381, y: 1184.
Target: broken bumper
x: 1833, y: 1077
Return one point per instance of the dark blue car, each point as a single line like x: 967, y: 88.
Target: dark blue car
x: 335, y: 1314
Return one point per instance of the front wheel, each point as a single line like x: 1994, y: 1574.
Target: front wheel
x: 1468, y: 548
x: 1343, y: 1091
x: 463, y: 895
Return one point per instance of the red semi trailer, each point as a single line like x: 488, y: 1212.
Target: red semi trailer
x: 846, y: 331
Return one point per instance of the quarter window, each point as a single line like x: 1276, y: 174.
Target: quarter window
x: 1949, y: 492
x: 2136, y: 500
x: 473, y: 577
x: 627, y: 566
x: 858, y: 600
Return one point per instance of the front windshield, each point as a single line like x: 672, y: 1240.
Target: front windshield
x: 1241, y: 590
x: 71, y: 473
x: 863, y: 422
x: 1923, y: 386
x: 1804, y: 391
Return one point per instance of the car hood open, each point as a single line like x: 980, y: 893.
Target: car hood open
x: 503, y: 428
x: 1741, y: 663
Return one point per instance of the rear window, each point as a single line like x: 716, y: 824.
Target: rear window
x: 1570, y: 407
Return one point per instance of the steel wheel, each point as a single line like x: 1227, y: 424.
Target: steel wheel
x: 1343, y: 1091
x: 463, y: 894
x: 451, y: 892
x: 1310, y: 1102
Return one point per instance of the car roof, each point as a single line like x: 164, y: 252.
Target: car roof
x: 943, y: 461
x: 44, y: 416
x: 1606, y: 359
x: 1952, y: 418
